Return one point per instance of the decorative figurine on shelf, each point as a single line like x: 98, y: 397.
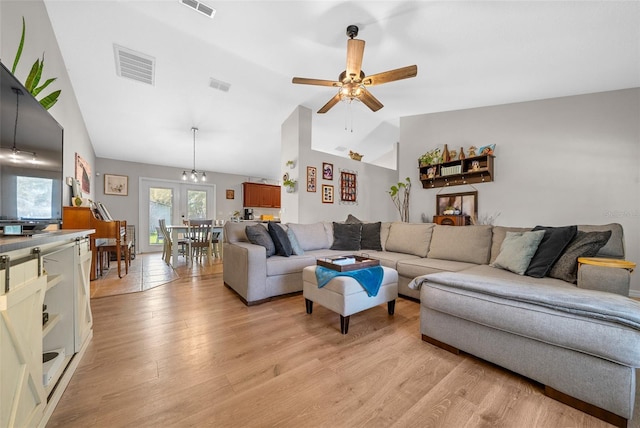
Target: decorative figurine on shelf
x: 475, y: 165
x: 452, y: 155
x: 355, y: 155
x: 472, y: 151
x: 461, y: 156
x: 446, y: 157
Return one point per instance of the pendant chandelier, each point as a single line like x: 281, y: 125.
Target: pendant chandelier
x: 195, y: 175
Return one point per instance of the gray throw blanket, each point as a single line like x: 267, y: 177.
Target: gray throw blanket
x: 588, y: 303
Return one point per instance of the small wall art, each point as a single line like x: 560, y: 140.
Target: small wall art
x: 311, y: 178
x: 348, y: 186
x: 83, y: 174
x: 116, y: 185
x: 231, y: 194
x: 327, y: 194
x: 327, y: 171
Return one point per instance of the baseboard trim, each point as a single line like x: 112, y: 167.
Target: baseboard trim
x: 634, y: 294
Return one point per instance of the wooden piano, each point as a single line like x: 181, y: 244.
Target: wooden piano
x: 112, y: 233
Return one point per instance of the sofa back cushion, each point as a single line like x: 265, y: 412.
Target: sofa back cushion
x: 499, y: 233
x: 235, y: 232
x: 470, y: 244
x: 615, y: 246
x: 409, y: 238
x: 384, y: 233
x: 311, y: 236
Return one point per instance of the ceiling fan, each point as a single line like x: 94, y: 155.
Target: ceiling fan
x: 353, y: 82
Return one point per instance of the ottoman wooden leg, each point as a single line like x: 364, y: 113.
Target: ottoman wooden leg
x: 344, y: 324
x: 391, y: 307
x: 309, y: 305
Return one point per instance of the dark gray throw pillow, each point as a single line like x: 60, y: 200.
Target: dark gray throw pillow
x: 370, y: 237
x: 258, y: 235
x: 280, y: 239
x: 346, y: 236
x: 352, y: 219
x: 553, y: 243
x: 585, y: 244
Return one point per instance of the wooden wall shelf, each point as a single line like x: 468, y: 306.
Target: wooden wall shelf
x: 478, y: 169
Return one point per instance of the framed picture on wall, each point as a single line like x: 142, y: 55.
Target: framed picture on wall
x: 457, y: 204
x: 116, y: 185
x: 348, y: 188
x: 231, y: 194
x: 327, y: 171
x: 327, y: 194
x: 311, y: 178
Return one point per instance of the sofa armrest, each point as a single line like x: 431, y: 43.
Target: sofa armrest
x: 245, y: 270
x: 610, y: 279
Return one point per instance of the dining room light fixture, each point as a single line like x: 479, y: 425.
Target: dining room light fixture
x: 194, y: 175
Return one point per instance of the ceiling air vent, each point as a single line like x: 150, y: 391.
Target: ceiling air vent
x: 219, y: 84
x: 134, y: 65
x: 200, y: 7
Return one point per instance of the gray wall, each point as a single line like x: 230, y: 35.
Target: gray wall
x: 39, y: 38
x: 570, y: 160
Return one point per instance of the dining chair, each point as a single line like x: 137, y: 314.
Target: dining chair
x: 200, y: 237
x: 168, y: 243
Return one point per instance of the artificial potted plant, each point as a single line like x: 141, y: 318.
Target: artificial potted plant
x: 289, y: 185
x: 430, y: 158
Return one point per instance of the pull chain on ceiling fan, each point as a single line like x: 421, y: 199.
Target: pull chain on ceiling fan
x: 353, y: 82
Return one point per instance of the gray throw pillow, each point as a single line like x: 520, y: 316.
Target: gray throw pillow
x: 370, y: 237
x: 585, y: 244
x: 295, y: 245
x: 346, y: 236
x: 550, y: 249
x: 517, y: 250
x: 352, y: 219
x: 280, y: 239
x: 258, y: 235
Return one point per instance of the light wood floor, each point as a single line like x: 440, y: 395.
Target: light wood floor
x: 189, y: 353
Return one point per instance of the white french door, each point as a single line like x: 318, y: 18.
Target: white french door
x: 173, y: 201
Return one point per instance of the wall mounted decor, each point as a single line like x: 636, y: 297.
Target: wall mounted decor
x: 231, y: 194
x: 458, y: 204
x: 83, y: 173
x: 116, y: 185
x: 327, y: 171
x: 311, y: 178
x: 348, y: 186
x: 327, y: 194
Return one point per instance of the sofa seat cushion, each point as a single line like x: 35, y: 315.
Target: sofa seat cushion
x: 388, y: 258
x: 279, y: 265
x: 416, y: 267
x: 602, y: 324
x: 320, y: 254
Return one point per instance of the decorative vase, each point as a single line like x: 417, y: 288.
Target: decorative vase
x: 445, y: 154
x: 461, y: 156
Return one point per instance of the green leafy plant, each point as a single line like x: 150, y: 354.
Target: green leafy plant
x: 33, y: 79
x: 430, y: 158
x: 289, y: 184
x: 400, y: 196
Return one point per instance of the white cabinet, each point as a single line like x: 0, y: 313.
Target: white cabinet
x: 54, y: 275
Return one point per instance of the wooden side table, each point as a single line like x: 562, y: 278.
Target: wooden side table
x: 614, y: 263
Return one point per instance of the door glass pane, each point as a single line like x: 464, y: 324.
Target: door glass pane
x: 160, y: 207
x: 196, y: 204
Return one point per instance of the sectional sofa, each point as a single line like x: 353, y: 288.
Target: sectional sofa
x: 582, y: 341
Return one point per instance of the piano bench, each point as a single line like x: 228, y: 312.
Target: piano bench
x: 109, y: 247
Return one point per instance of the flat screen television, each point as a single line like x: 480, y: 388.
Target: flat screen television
x: 31, y: 143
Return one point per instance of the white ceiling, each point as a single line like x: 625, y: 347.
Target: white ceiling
x: 469, y: 54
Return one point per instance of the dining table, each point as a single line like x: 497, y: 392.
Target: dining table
x: 177, y: 229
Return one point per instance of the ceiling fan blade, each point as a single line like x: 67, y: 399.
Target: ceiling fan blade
x: 333, y: 101
x: 370, y: 101
x: 316, y: 82
x: 391, y: 75
x: 355, y: 51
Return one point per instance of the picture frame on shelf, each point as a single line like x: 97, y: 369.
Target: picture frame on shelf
x: 327, y: 171
x: 327, y: 194
x: 116, y: 185
x: 311, y: 178
x: 465, y: 203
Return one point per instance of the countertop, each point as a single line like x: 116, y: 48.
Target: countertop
x: 14, y: 243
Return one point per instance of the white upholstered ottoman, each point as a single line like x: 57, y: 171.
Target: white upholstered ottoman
x: 346, y: 296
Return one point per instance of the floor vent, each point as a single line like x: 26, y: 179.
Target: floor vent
x: 219, y: 85
x: 200, y: 7
x: 134, y: 65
